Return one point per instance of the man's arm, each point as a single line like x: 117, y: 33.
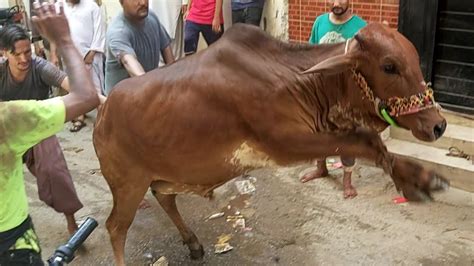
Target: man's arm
x: 313, y: 39
x: 131, y: 64
x: 167, y: 54
x: 98, y: 39
x: 54, y: 26
x: 190, y: 2
x: 184, y: 6
x: 216, y: 22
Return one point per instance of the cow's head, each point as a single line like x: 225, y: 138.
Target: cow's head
x: 386, y: 66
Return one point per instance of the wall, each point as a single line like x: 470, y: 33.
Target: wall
x: 275, y: 18
x: 302, y: 14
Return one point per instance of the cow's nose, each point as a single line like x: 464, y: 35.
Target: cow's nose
x: 439, y: 129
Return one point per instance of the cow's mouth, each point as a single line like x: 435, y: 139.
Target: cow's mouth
x: 395, y: 106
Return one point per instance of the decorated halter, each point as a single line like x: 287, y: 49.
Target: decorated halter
x: 394, y: 106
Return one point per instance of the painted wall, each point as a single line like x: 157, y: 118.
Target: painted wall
x: 275, y: 18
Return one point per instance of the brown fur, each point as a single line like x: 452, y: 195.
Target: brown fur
x: 242, y: 104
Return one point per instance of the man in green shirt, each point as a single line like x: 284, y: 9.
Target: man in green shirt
x: 25, y: 123
x: 334, y: 27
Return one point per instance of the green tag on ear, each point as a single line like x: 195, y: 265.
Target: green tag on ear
x: 388, y: 118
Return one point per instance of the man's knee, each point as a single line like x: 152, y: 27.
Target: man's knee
x: 348, y: 161
x: 191, y: 38
x: 254, y: 15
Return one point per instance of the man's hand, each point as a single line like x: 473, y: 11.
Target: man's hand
x: 184, y: 9
x: 53, y: 25
x: 50, y: 24
x: 89, y: 58
x: 216, y: 25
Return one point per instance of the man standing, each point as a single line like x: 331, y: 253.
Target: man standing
x: 205, y: 17
x: 23, y: 77
x: 337, y: 26
x: 25, y: 123
x: 247, y: 11
x: 135, y: 40
x: 171, y: 14
x: 88, y: 34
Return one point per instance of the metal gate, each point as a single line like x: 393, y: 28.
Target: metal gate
x: 443, y: 33
x: 453, y: 69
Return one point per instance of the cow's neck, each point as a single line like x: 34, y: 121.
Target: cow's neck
x: 350, y: 110
x: 336, y: 100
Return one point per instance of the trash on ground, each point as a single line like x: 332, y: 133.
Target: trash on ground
x: 398, y: 200
x: 233, y: 218
x: 162, y: 261
x: 215, y: 216
x: 334, y: 166
x: 239, y: 223
x: 245, y: 187
x: 222, y: 244
x: 457, y: 152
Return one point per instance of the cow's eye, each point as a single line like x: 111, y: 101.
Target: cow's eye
x: 390, y: 69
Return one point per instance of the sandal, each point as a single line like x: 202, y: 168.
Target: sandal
x: 77, y: 125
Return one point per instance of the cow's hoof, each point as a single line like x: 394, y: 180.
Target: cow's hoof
x: 197, y: 254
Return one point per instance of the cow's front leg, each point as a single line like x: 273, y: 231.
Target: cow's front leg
x: 415, y: 181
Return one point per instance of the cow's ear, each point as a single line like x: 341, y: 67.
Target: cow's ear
x: 333, y: 65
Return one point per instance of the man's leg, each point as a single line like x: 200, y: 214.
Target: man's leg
x: 97, y: 73
x: 321, y: 171
x: 21, y: 257
x: 238, y: 16
x: 191, y: 37
x: 25, y: 251
x: 55, y: 187
x: 209, y: 35
x: 348, y: 164
x: 178, y: 42
x: 253, y: 15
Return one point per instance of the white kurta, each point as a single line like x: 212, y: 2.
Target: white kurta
x: 169, y: 14
x: 88, y: 34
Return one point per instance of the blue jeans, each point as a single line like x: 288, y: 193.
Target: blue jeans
x: 248, y: 15
x: 191, y: 35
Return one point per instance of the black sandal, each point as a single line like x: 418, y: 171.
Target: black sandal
x: 77, y: 125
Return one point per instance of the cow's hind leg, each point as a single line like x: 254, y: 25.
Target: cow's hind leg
x: 168, y: 202
x: 126, y: 200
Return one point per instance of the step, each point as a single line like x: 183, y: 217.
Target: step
x: 458, y: 170
x: 458, y: 118
x: 455, y: 135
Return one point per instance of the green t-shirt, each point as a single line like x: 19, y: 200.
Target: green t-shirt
x: 22, y: 125
x: 324, y: 31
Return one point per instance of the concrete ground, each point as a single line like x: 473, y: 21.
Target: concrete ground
x: 287, y: 222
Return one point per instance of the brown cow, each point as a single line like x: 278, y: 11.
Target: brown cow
x: 244, y: 103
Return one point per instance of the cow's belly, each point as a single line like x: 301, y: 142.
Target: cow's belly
x: 245, y: 157
x: 239, y: 160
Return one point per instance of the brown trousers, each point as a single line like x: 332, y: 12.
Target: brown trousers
x: 55, y: 187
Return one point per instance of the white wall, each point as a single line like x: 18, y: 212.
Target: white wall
x: 275, y: 18
x: 3, y: 3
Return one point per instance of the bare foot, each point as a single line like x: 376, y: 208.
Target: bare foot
x: 71, y: 223
x: 349, y: 191
x: 144, y: 204
x: 318, y: 173
x: 321, y: 171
